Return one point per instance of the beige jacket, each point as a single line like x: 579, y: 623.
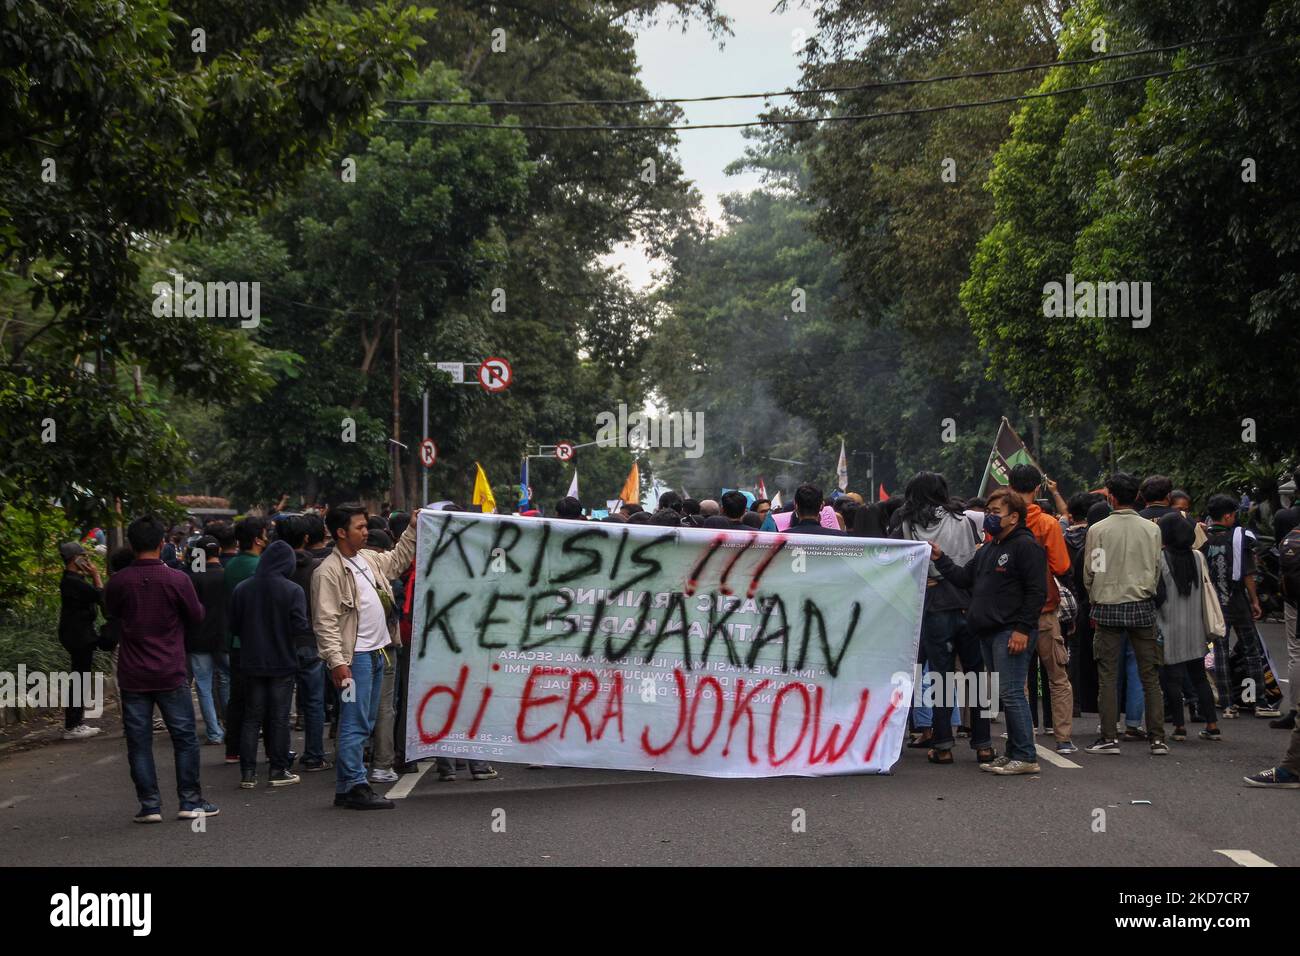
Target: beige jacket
x: 334, y: 611
x: 1121, y: 559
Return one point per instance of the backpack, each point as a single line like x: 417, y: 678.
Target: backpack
x: 1068, y: 609
x: 1289, y: 566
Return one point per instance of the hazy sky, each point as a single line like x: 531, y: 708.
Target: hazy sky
x: 758, y: 56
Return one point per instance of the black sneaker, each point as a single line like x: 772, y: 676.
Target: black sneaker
x: 1284, y: 723
x: 283, y: 778
x: 315, y: 766
x: 361, y: 797
x: 1103, y: 746
x: 248, y: 781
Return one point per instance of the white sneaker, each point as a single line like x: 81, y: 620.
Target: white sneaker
x: 81, y: 732
x: 383, y: 776
x: 1015, y: 767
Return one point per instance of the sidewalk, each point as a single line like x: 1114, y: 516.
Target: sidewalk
x: 46, y: 727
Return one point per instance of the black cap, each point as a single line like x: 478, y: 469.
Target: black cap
x: 69, y: 550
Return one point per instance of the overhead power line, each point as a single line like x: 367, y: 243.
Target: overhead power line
x: 852, y: 88
x: 844, y: 118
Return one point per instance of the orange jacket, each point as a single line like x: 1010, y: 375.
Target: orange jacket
x: 1047, y: 531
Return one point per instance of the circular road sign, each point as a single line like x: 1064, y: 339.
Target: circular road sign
x: 564, y: 451
x: 428, y: 452
x: 495, y: 374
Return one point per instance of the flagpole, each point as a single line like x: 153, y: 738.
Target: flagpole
x: 992, y: 451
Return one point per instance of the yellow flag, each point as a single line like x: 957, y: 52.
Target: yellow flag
x: 631, y: 493
x: 483, y: 492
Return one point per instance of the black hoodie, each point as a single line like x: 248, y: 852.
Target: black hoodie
x: 302, y: 577
x: 1007, y: 580
x: 268, y: 612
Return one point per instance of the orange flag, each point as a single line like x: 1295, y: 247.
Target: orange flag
x: 631, y: 493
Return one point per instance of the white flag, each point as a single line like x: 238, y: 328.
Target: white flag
x: 842, y: 472
x: 573, y: 485
x: 776, y: 501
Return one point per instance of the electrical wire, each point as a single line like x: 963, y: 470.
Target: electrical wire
x: 814, y: 91
x: 845, y: 118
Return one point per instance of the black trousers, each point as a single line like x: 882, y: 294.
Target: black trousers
x: 83, y: 662
x: 399, y: 703
x: 235, y: 709
x: 266, y: 705
x: 1172, y: 678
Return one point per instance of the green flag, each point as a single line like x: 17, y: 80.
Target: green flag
x: 1008, y: 451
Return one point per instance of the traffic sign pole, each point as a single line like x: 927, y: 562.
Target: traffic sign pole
x: 424, y: 479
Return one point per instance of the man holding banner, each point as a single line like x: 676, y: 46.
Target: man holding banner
x: 712, y: 652
x: 353, y: 616
x: 1007, y: 579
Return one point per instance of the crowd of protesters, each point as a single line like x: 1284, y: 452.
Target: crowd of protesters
x: 248, y: 617
x: 1117, y: 598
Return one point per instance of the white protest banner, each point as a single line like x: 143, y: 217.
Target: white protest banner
x: 721, y: 653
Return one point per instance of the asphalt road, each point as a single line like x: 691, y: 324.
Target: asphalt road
x: 71, y: 804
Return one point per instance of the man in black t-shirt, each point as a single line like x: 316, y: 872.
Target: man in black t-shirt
x: 1155, y: 491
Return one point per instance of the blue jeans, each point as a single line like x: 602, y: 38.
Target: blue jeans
x: 203, y: 668
x: 1134, y: 699
x: 221, y: 677
x: 923, y: 716
x: 357, y: 718
x: 946, y: 637
x: 1013, y: 671
x: 137, y: 720
x: 311, y: 702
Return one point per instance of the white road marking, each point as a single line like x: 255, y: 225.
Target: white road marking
x: 14, y: 801
x: 1245, y: 858
x: 403, y: 787
x: 109, y: 759
x: 1052, y: 757
x: 64, y: 778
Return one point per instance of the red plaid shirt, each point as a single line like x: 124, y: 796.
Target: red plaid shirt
x: 153, y: 604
